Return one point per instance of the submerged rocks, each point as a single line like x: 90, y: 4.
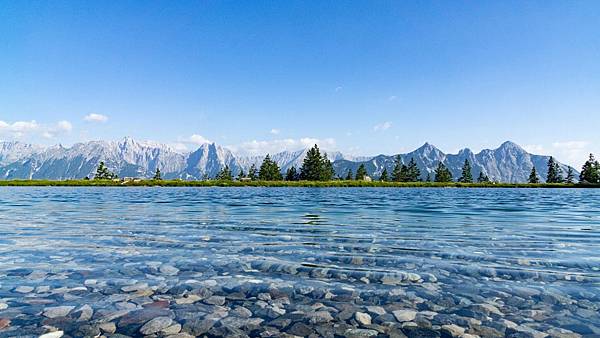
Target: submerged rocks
x: 404, y: 315
x: 156, y: 325
x: 57, y: 311
x: 362, y: 318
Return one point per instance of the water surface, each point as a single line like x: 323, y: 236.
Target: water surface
x: 494, y: 262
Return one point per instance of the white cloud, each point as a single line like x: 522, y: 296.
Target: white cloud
x: 275, y: 131
x: 338, y: 88
x: 64, y: 126
x: 534, y: 149
x: 257, y: 147
x: 573, y: 153
x: 392, y: 98
x: 96, y: 118
x: 198, y: 139
x: 21, y: 129
x: 382, y: 126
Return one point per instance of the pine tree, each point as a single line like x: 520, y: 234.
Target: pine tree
x: 590, y: 172
x: 442, y: 173
x: 483, y: 178
x: 397, y: 171
x: 291, y: 174
x: 269, y: 170
x: 102, y: 172
x: 570, y: 176
x: 225, y: 174
x: 412, y: 172
x: 253, y: 173
x: 404, y: 173
x: 384, y: 175
x: 361, y: 172
x: 428, y: 178
x: 241, y: 175
x: 312, y: 165
x: 466, y: 176
x: 554, y: 172
x: 327, y: 172
x: 157, y: 175
x: 533, y: 177
x: 349, y: 176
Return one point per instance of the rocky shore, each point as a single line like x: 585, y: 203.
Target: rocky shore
x: 262, y: 299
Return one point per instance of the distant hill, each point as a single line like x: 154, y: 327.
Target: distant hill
x: 131, y: 158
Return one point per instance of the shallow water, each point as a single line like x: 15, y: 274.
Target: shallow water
x: 483, y: 259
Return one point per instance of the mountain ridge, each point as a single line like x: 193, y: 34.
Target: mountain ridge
x: 130, y: 158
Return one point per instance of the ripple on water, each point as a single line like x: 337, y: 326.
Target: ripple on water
x: 527, y: 249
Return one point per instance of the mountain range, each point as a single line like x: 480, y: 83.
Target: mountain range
x: 131, y: 158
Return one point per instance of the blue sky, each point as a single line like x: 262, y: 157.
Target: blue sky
x: 361, y: 77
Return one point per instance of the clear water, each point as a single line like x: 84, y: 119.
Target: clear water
x: 533, y: 253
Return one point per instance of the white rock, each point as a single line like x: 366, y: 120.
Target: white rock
x: 362, y: 318
x: 57, y: 311
x: 169, y: 270
x: 404, y: 315
x: 378, y: 310
x: 55, y: 334
x: 135, y: 287
x: 23, y: 289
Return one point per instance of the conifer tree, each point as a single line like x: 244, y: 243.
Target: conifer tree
x: 554, y: 172
x: 466, y: 176
x: 442, y: 173
x: 349, y: 176
x: 412, y: 172
x: 397, y: 171
x: 241, y: 175
x: 428, y: 178
x: 404, y: 173
x: 483, y: 178
x: 253, y: 173
x: 312, y: 166
x: 590, y: 172
x: 157, y: 175
x: 269, y: 170
x: 570, y: 176
x: 361, y: 172
x: 102, y: 172
x: 384, y: 175
x: 327, y: 172
x: 291, y: 174
x: 225, y: 174
x: 533, y: 177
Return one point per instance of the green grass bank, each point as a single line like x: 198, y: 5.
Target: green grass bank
x: 316, y: 184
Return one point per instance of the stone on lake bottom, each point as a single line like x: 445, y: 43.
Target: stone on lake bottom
x: 54, y: 334
x: 404, y: 315
x: 156, y: 325
x: 4, y: 323
x: 362, y: 318
x: 57, y: 311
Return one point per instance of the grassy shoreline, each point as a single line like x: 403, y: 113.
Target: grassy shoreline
x: 316, y: 184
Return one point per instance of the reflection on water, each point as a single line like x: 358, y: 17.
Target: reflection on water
x: 417, y: 262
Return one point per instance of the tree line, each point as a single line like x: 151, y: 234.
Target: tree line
x: 317, y: 167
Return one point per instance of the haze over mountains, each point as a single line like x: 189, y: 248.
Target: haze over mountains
x: 131, y: 158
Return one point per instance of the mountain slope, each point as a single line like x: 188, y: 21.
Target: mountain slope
x: 130, y: 158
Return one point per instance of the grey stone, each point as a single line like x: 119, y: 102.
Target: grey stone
x: 57, y: 311
x: 156, y: 325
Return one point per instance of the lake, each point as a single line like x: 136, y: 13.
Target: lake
x: 354, y: 262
